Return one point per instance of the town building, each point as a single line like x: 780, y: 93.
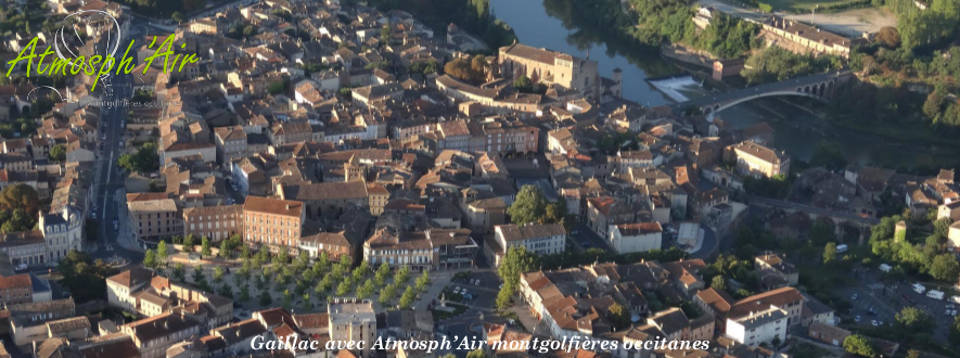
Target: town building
x: 272, y: 222
x: 353, y: 320
x: 757, y: 160
x: 540, y: 239
x: 550, y: 67
x: 636, y: 237
x: 153, y: 219
x: 426, y: 250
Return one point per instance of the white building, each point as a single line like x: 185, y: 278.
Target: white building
x: 636, y: 237
x: 758, y: 327
x: 540, y: 239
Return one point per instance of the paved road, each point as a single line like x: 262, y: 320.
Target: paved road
x: 764, y: 88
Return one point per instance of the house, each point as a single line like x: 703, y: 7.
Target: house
x: 636, y: 237
x: 757, y: 160
x: 540, y: 239
x: 334, y: 244
x: 950, y: 211
x: 775, y: 271
x: 954, y: 235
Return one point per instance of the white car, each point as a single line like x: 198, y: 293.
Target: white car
x: 875, y: 323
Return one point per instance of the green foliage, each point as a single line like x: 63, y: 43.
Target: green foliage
x: 279, y: 87
x: 859, y: 345
x: 162, y: 252
x: 775, y: 187
x: 718, y: 283
x: 477, y: 353
x: 58, y: 153
x: 84, y: 277
x: 619, y: 316
x: 424, y: 67
x: 726, y: 36
x: 776, y: 64
x: 945, y: 267
x: 205, y: 246
x: 528, y: 207
x: 423, y: 281
x: 829, y: 155
x: 265, y: 299
x: 149, y: 259
x: 829, y: 252
x: 516, y: 262
x: 144, y: 160
x: 387, y: 294
x: 19, y: 205
x: 523, y: 84
x: 407, y: 298
x: 913, y: 319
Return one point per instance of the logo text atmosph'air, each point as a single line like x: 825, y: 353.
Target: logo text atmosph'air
x: 76, y: 51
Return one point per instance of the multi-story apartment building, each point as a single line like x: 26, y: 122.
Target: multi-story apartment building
x: 154, y: 218
x: 757, y: 160
x: 231, y: 143
x: 58, y: 233
x: 215, y: 222
x: 550, y: 67
x: 326, y: 197
x: 762, y: 326
x: 272, y: 222
x: 806, y: 39
x: 352, y: 320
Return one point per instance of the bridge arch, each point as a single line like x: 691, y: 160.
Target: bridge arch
x: 808, y: 92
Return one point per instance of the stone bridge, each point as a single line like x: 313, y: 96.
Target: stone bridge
x: 819, y: 86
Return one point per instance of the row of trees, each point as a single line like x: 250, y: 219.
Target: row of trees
x: 776, y: 64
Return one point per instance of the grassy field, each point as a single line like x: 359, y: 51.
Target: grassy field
x: 806, y: 6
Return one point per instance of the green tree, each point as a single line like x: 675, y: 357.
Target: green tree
x: 205, y: 246
x: 945, y: 267
x: 528, y: 207
x: 367, y: 289
x: 198, y: 275
x: 149, y: 259
x: 188, y: 243
x: 477, y: 353
x: 162, y: 252
x: 58, y: 153
x: 344, y: 288
x: 718, y: 283
x: 913, y: 319
x: 244, y: 294
x: 407, y: 298
x: 382, y: 273
x: 179, y: 273
x: 955, y: 331
x: 859, y: 345
x: 423, y: 281
x: 402, y: 275
x: 829, y: 252
x: 265, y: 298
x: 386, y: 294
x: 619, y: 316
x: 218, y: 273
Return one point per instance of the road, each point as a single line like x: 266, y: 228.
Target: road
x: 110, y: 200
x: 853, y: 22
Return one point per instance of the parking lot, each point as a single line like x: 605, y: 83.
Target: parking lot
x: 478, y: 292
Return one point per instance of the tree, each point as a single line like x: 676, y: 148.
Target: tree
x: 829, y: 252
x: 463, y: 70
x: 402, y: 275
x: 179, y: 273
x: 205, y: 247
x: 344, y: 288
x: 218, y: 273
x: 149, y: 259
x: 477, y: 353
x: 955, y: 331
x: 945, y: 267
x: 382, y: 273
x: 423, y: 281
x: 265, y: 298
x: 162, y: 252
x: 387, y: 293
x: 406, y: 300
x: 528, y: 207
x: 58, y: 153
x: 913, y: 319
x: 244, y: 294
x: 366, y: 290
x: 177, y: 17
x: 198, y: 275
x: 718, y: 283
x: 188, y: 243
x: 859, y: 345
x: 619, y: 316
x: 504, y: 296
x: 888, y: 36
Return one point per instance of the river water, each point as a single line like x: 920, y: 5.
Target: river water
x: 798, y: 130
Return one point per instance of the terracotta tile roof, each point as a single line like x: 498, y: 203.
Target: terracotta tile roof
x: 273, y: 206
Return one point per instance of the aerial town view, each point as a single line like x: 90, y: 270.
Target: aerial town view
x: 480, y: 178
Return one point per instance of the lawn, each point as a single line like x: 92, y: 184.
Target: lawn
x: 805, y: 6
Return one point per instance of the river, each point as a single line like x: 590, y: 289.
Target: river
x: 798, y: 130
